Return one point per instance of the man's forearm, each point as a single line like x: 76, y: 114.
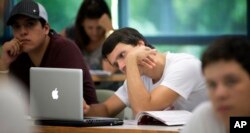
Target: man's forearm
x: 138, y: 96
x: 98, y: 110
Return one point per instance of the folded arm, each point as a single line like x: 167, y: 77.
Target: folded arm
x: 140, y: 99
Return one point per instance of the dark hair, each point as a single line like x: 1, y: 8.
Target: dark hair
x: 92, y: 9
x: 228, y: 48
x: 43, y: 22
x: 126, y: 35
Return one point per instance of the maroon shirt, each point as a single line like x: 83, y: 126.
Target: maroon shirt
x: 61, y: 53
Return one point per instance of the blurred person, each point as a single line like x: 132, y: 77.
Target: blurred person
x: 36, y: 45
x: 14, y: 111
x: 93, y: 24
x: 226, y: 67
x: 155, y: 81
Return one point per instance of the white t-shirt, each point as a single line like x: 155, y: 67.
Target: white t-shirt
x: 204, y: 120
x: 182, y: 73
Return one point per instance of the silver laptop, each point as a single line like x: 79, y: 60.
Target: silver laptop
x: 56, y: 98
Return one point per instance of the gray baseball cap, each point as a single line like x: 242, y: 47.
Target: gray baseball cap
x: 28, y: 8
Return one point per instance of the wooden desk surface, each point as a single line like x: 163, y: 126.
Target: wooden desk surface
x: 110, y: 129
x: 113, y: 77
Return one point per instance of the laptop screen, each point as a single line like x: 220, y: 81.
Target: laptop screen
x: 56, y: 93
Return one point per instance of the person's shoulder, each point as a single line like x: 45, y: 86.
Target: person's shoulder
x: 204, y: 112
x: 180, y: 56
x: 198, y: 119
x: 204, y: 108
x: 204, y: 120
x: 57, y: 39
x: 176, y: 61
x: 183, y: 59
x: 60, y: 44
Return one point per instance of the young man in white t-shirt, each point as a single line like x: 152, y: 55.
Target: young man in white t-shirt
x: 155, y: 81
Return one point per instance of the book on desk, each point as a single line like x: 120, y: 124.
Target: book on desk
x: 168, y: 117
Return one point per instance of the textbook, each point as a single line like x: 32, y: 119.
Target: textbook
x: 167, y: 117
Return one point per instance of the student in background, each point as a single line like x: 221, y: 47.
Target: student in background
x: 155, y: 81
x: 92, y: 26
x: 92, y: 23
x: 226, y: 67
x: 36, y: 45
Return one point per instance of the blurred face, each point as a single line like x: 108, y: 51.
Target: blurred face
x: 229, y: 89
x: 29, y: 32
x: 92, y: 28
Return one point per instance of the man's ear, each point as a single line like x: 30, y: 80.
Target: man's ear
x: 141, y: 43
x: 47, y: 28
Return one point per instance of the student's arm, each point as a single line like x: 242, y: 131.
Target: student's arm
x: 109, y: 108
x: 140, y: 99
x: 10, y: 51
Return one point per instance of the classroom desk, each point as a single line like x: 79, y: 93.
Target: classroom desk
x: 113, y: 78
x: 110, y: 129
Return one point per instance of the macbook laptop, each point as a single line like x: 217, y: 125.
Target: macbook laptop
x: 56, y: 98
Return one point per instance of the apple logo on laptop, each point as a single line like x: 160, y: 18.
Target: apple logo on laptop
x: 54, y: 94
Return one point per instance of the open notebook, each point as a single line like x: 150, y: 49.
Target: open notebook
x: 167, y: 117
x: 56, y: 98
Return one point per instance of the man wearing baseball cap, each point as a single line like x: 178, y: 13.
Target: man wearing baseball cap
x: 36, y: 45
